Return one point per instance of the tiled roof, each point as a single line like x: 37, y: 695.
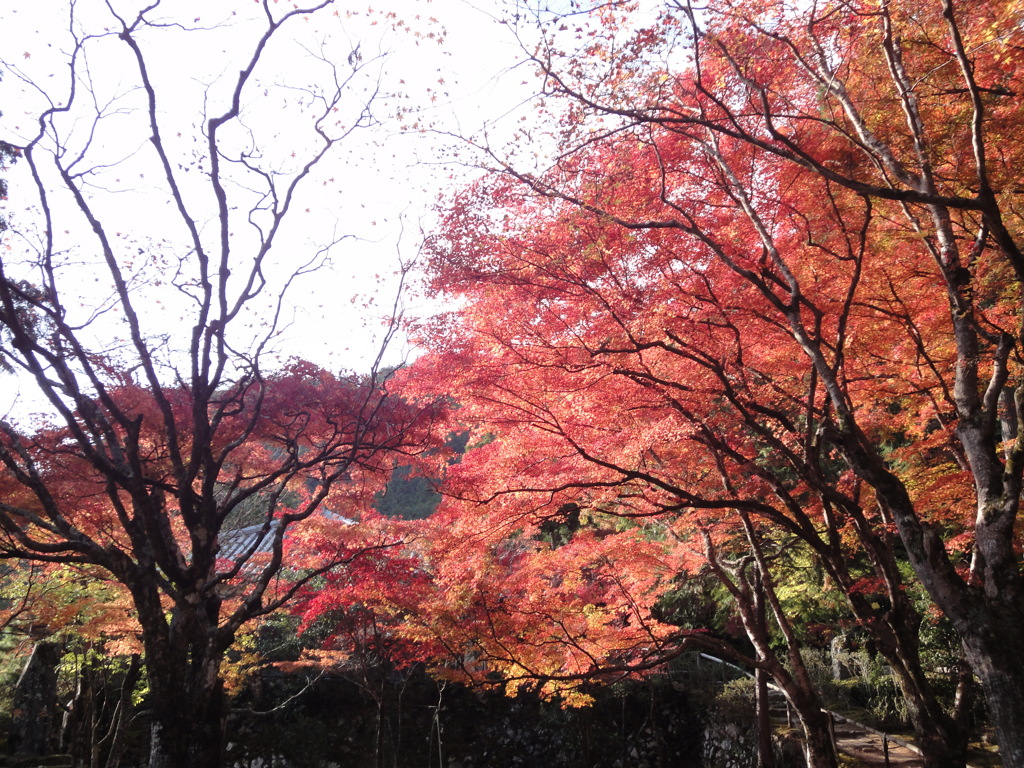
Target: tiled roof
x: 236, y: 543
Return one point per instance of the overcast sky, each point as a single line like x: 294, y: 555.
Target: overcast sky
x: 383, y: 181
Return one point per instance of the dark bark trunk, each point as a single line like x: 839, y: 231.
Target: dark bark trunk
x: 942, y: 743
x: 996, y: 659
x: 188, y: 725
x: 896, y: 634
x: 765, y: 753
x: 183, y: 660
x: 755, y: 595
x: 988, y: 614
x: 184, y: 650
x: 819, y: 748
x: 123, y: 714
x: 35, y: 699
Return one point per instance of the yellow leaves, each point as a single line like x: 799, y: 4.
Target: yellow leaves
x: 317, y: 659
x: 573, y: 698
x: 242, y: 662
x: 64, y: 598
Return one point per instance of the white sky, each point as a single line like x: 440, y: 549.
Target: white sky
x: 377, y: 189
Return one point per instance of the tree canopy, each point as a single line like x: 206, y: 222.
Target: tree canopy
x: 768, y: 294
x: 148, y: 331
x: 738, y: 367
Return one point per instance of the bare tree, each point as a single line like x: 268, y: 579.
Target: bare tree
x: 145, y: 314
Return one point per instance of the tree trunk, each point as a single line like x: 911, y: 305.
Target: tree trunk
x: 966, y: 689
x: 819, y: 749
x: 765, y: 753
x: 123, y: 714
x: 187, y: 696
x: 996, y: 658
x: 942, y: 743
x: 988, y: 614
x: 189, y: 734
x: 35, y: 699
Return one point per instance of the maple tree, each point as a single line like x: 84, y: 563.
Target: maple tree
x: 541, y: 395
x: 351, y: 624
x: 147, y: 332
x: 74, y: 624
x: 779, y: 283
x: 508, y: 607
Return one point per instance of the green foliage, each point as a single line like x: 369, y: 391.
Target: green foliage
x: 871, y: 695
x: 804, y: 592
x: 407, y: 496
x: 277, y: 639
x: 11, y: 663
x: 410, y: 496
x: 735, y: 702
x: 558, y: 529
x: 696, y: 602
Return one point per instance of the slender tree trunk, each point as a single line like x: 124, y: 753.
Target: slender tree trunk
x: 966, y: 691
x: 765, y: 753
x: 756, y: 600
x: 123, y: 713
x: 942, y: 742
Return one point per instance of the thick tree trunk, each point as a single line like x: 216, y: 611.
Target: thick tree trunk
x: 184, y: 650
x: 35, y: 699
x: 997, y: 661
x: 990, y: 623
x: 819, y: 749
x: 942, y: 743
x: 183, y: 660
x: 188, y: 722
x: 988, y: 613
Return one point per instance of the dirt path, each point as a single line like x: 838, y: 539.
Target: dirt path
x: 869, y: 748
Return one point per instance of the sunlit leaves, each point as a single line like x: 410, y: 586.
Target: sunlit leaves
x: 732, y: 311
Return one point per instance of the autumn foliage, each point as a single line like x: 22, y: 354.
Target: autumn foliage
x: 757, y: 326
x: 767, y: 297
